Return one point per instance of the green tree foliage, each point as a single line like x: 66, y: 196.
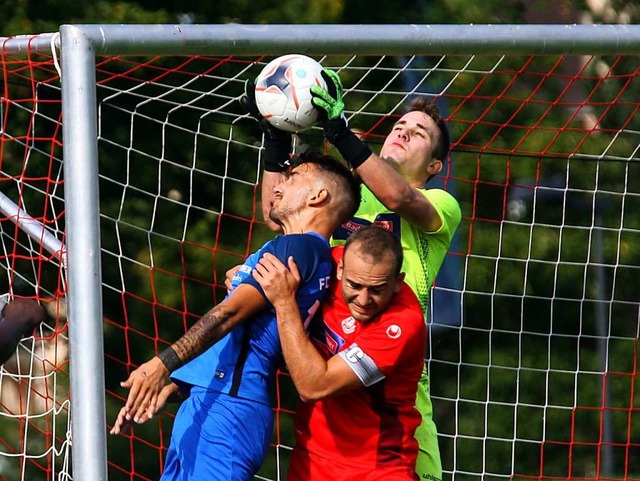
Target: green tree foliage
x: 40, y: 16
x: 525, y: 288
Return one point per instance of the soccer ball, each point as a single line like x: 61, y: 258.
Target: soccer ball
x: 282, y: 91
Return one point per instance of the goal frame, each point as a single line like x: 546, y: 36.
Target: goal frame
x: 78, y: 46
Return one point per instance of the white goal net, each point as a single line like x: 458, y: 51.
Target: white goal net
x: 535, y: 317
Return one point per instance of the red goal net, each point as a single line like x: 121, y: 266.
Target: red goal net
x: 535, y: 317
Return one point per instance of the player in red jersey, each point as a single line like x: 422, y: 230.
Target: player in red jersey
x: 357, y: 370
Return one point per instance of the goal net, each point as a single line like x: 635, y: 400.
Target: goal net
x: 34, y: 381
x: 534, y: 319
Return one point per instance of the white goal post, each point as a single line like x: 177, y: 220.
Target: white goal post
x: 78, y: 47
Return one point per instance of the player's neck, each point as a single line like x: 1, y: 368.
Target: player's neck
x: 304, y: 224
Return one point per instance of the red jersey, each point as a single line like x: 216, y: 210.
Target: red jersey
x: 372, y: 427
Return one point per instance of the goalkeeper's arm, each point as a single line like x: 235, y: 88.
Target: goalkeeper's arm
x: 392, y: 189
x: 277, y: 148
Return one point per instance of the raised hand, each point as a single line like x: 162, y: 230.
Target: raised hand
x: 277, y: 143
x: 330, y: 102
x: 336, y: 129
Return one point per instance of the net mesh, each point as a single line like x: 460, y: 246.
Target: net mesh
x: 535, y: 316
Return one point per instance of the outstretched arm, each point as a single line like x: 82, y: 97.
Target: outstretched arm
x: 389, y: 186
x: 277, y: 147
x: 397, y: 195
x: 147, y: 381
x: 314, y: 377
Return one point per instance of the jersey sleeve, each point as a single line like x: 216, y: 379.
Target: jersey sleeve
x: 448, y: 209
x: 307, y: 251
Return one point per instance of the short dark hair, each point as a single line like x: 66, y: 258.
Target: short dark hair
x: 332, y: 165
x: 377, y: 242
x: 422, y: 104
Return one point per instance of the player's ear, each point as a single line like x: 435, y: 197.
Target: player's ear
x: 339, y: 270
x: 319, y: 197
x: 434, y: 167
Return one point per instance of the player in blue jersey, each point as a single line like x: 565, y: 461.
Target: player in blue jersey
x: 226, y: 362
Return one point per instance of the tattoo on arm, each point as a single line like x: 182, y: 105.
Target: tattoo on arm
x: 209, y: 329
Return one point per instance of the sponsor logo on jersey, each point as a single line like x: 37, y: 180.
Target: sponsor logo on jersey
x: 394, y: 331
x: 219, y: 374
x: 389, y: 221
x: 385, y: 224
x: 241, y: 274
x: 328, y: 341
x: 349, y: 325
x: 331, y: 343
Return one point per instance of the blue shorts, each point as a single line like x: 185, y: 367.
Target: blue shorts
x: 217, y: 437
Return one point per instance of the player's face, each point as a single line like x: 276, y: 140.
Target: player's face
x: 410, y: 143
x: 367, y: 286
x: 290, y: 196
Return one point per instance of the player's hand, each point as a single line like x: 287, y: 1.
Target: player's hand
x: 277, y: 143
x: 145, y: 385
x: 123, y: 425
x: 330, y: 103
x: 27, y: 312
x: 279, y: 282
x: 248, y: 101
x: 228, y: 277
x: 18, y: 319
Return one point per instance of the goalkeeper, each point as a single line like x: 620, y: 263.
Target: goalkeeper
x: 394, y: 196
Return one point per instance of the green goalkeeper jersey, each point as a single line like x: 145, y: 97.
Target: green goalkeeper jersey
x: 423, y: 251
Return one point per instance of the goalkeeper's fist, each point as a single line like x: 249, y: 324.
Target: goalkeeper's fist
x: 277, y: 143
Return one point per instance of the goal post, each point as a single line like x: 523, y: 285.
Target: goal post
x: 545, y: 163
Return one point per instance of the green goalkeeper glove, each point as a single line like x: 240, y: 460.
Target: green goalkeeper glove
x: 277, y: 143
x: 330, y: 103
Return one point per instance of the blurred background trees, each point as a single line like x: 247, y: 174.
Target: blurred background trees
x: 36, y: 16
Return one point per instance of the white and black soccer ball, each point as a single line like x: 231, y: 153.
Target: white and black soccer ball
x: 282, y: 91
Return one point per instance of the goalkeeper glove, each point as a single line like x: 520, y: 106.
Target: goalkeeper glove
x: 331, y: 106
x: 277, y: 143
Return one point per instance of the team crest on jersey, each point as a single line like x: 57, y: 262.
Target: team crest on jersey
x: 349, y: 325
x: 394, y: 331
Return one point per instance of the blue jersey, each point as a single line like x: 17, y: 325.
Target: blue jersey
x: 244, y: 362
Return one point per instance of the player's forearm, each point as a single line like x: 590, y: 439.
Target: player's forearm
x: 210, y: 328
x: 389, y: 186
x: 307, y: 367
x: 399, y: 194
